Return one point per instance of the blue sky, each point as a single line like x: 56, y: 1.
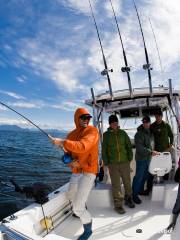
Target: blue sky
x: 50, y: 55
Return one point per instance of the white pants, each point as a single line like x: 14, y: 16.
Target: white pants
x: 80, y: 186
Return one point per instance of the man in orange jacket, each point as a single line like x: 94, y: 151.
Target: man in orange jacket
x: 82, y: 145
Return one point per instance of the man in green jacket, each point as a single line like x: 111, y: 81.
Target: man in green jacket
x: 117, y: 155
x: 163, y: 137
x: 162, y: 132
x: 144, y: 152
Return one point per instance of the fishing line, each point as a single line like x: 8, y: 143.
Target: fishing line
x: 157, y: 48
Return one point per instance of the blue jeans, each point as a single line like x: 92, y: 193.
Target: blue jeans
x: 176, y: 209
x: 141, y: 176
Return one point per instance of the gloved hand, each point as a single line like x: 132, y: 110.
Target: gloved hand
x: 56, y: 141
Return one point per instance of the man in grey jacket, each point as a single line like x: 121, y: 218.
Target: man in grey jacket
x: 144, y: 152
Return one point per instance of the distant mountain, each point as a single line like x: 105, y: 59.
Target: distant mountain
x: 11, y: 128
x: 6, y: 127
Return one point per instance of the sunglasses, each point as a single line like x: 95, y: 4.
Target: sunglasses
x: 84, y: 117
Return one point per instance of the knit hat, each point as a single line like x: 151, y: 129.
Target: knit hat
x: 112, y: 119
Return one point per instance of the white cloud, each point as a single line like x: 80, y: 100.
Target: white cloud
x: 168, y: 34
x: 21, y: 79
x: 78, y: 5
x: 8, y: 121
x: 64, y: 72
x: 29, y: 105
x: 12, y: 94
x: 68, y: 106
x: 24, y: 105
x: 166, y: 24
x: 66, y: 60
x: 117, y: 5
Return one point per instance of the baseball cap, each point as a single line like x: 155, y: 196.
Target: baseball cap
x: 146, y: 119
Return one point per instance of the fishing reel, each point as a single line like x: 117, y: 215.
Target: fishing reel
x: 125, y: 69
x: 105, y: 72
x: 66, y: 158
x: 147, y: 67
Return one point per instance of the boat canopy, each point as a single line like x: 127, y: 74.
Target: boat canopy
x: 142, y: 102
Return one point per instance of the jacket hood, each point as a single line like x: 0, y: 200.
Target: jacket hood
x: 78, y: 113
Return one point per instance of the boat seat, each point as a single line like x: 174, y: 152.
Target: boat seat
x: 161, y: 164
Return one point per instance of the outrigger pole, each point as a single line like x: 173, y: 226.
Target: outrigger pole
x: 126, y: 68
x: 146, y: 66
x: 106, y: 70
x: 160, y: 62
x: 5, y: 105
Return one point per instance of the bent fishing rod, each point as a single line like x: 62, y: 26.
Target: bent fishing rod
x: 106, y: 70
x: 146, y: 66
x: 126, y: 68
x: 27, y: 119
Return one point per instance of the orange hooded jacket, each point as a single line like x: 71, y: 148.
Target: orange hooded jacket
x: 82, y: 144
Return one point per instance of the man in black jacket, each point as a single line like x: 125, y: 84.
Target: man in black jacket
x: 144, y: 152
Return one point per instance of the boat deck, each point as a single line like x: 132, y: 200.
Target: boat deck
x: 151, y: 217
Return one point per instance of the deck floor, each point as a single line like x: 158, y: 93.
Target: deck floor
x: 107, y: 224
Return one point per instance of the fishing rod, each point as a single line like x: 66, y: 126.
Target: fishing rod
x: 126, y: 68
x: 5, y: 105
x: 106, y: 70
x: 157, y: 48
x: 146, y: 66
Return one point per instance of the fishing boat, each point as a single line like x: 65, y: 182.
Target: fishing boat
x: 53, y: 219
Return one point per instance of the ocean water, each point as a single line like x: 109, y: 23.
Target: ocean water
x: 28, y: 157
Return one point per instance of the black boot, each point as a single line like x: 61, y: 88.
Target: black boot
x: 136, y: 199
x: 120, y: 210
x: 87, y: 231
x: 129, y: 202
x: 172, y: 225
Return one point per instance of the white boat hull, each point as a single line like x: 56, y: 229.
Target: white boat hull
x: 151, y: 218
